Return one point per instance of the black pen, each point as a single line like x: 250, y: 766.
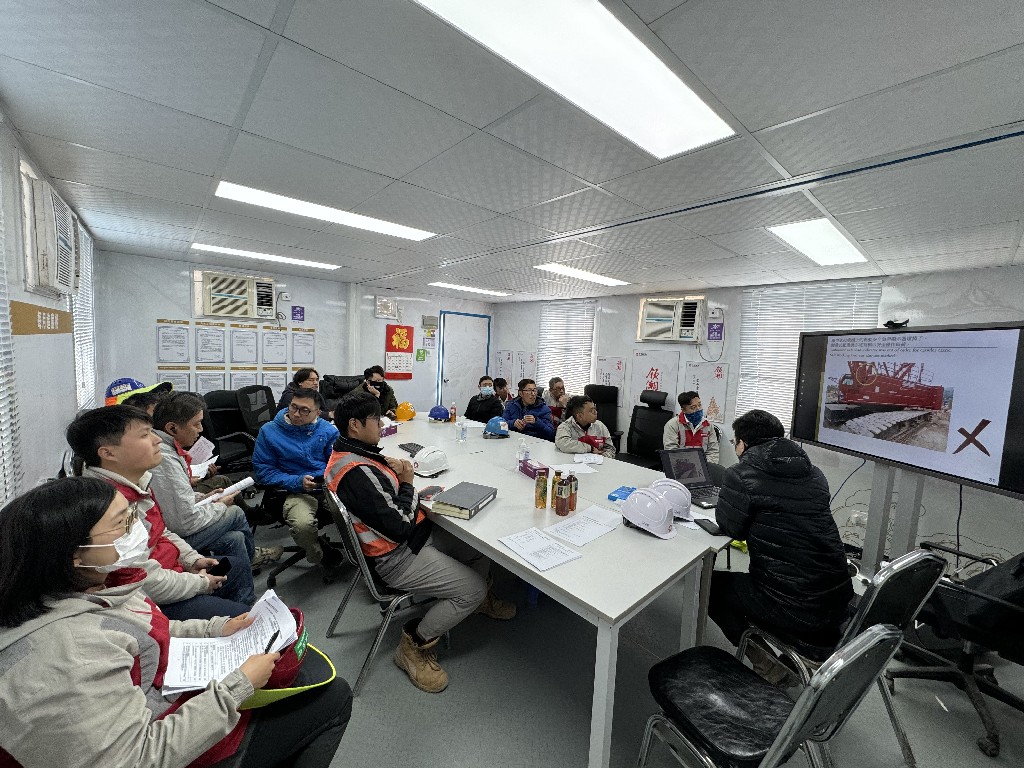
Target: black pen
x: 273, y: 639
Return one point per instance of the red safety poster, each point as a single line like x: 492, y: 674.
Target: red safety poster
x: 398, y: 352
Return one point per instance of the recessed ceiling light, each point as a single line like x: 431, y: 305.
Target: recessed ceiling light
x: 582, y: 52
x: 579, y: 274
x: 819, y: 240
x: 467, y: 288
x: 262, y: 256
x: 315, y: 211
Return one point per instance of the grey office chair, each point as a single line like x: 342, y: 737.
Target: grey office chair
x: 717, y: 713
x: 894, y: 597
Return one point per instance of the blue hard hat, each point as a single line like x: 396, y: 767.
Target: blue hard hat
x: 496, y: 427
x: 439, y: 413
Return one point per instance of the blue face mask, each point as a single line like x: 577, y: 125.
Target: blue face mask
x: 696, y: 417
x: 486, y: 391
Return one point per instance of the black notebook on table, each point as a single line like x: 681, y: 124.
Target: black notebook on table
x: 463, y: 500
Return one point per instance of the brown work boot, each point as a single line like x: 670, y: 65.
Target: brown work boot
x: 420, y: 663
x: 266, y: 556
x: 496, y: 608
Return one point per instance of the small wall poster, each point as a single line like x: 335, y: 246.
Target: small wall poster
x: 275, y: 348
x: 505, y: 365
x: 298, y: 313
x: 172, y: 341
x: 209, y: 342
x: 244, y: 344
x: 611, y: 372
x: 303, y: 346
x: 711, y: 381
x: 398, y: 351
x: 657, y: 370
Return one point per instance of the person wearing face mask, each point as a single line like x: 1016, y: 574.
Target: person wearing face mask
x: 486, y: 405
x: 529, y: 414
x: 84, y: 650
x: 581, y: 432
x: 373, y: 382
x: 691, y: 429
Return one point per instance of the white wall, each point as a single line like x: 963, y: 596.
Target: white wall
x: 44, y: 364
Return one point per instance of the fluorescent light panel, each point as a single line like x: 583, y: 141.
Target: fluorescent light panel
x: 819, y: 240
x: 262, y: 256
x: 579, y: 274
x: 467, y: 289
x: 582, y: 52
x: 315, y: 211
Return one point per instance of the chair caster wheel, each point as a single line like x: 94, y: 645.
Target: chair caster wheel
x: 989, y: 746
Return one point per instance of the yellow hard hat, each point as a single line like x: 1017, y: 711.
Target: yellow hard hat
x: 405, y: 411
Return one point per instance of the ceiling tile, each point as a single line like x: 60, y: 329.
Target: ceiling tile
x: 565, y: 250
x: 649, y: 10
x: 446, y: 247
x: 369, y: 265
x: 833, y: 272
x: 639, y: 235
x: 316, y: 104
x: 785, y: 259
x: 998, y: 257
x: 108, y: 120
x: 799, y: 56
x: 155, y: 251
x: 711, y: 270
x: 581, y: 209
x: 83, y: 197
x: 763, y: 277
x: 335, y: 239
x: 130, y: 240
x: 502, y: 231
x: 203, y: 58
x: 988, y: 237
x: 928, y: 216
x: 404, y: 260
x: 410, y: 49
x: 749, y: 242
x: 747, y: 214
x: 486, y: 171
x: 554, y: 130
x: 417, y: 207
x: 94, y: 221
x: 259, y: 11
x: 727, y: 167
x: 693, y: 250
x: 252, y: 228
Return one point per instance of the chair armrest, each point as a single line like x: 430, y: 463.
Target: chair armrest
x: 246, y: 435
x: 956, y: 586
x: 774, y: 642
x: 959, y: 553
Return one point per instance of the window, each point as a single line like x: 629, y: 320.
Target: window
x: 773, y: 319
x: 10, y: 456
x: 565, y: 346
x: 83, y: 325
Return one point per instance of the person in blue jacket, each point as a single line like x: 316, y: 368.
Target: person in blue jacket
x: 528, y: 414
x: 292, y: 453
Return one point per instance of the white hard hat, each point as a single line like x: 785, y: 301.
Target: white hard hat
x: 429, y: 461
x: 647, y: 510
x: 676, y: 494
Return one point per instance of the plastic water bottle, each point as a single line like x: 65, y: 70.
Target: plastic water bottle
x: 461, y: 431
x: 521, y: 452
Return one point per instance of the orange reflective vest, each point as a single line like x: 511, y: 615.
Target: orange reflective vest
x: 373, y: 543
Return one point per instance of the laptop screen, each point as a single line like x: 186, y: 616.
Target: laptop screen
x: 687, y: 465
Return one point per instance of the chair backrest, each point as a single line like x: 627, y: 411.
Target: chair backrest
x: 606, y: 399
x: 897, y: 592
x: 835, y: 691
x: 256, y: 404
x: 647, y: 425
x: 355, y: 551
x: 224, y: 426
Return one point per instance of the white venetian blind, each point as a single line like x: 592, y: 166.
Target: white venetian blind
x: 565, y: 346
x: 773, y: 319
x: 84, y: 327
x: 10, y: 456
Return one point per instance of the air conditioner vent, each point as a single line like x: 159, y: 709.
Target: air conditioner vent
x: 53, y: 266
x: 672, y: 319
x: 237, y: 296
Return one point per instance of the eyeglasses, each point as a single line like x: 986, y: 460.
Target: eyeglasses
x: 301, y: 410
x: 528, y: 391
x: 129, y: 521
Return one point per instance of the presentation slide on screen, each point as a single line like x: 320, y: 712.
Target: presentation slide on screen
x: 938, y: 400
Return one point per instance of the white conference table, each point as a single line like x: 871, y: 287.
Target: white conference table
x: 618, y: 574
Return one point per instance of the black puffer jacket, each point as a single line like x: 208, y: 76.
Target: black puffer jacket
x: 778, y: 502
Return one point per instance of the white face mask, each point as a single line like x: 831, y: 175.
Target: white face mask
x: 132, y: 549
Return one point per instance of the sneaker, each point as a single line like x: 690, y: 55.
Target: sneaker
x: 496, y: 608
x: 420, y: 663
x: 265, y: 556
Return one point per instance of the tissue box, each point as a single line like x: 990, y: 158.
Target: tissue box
x: 390, y: 429
x: 532, y: 468
x: 621, y: 493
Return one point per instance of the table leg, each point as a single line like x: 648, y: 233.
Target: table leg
x: 604, y: 695
x: 696, y: 586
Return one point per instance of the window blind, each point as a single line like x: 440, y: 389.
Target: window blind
x: 10, y: 455
x: 565, y: 345
x: 773, y: 319
x: 84, y: 327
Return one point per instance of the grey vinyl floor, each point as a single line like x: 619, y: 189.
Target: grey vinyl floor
x: 520, y: 691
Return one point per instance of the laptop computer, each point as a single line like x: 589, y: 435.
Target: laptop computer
x: 690, y: 467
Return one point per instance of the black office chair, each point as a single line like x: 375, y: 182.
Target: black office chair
x: 984, y: 613
x: 606, y: 400
x: 717, y: 713
x: 256, y: 404
x: 225, y: 427
x: 646, y: 430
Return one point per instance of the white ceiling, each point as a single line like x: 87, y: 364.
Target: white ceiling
x: 891, y: 117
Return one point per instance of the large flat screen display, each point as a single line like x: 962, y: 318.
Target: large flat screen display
x: 947, y: 401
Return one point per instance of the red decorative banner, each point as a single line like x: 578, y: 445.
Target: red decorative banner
x: 398, y: 352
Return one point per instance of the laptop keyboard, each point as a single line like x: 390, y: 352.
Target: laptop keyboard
x: 411, y: 448
x: 709, y: 492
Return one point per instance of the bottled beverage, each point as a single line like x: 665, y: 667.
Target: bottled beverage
x: 540, y: 491
x: 554, y: 484
x: 520, y: 452
x: 574, y: 487
x: 561, y: 490
x: 461, y: 431
x: 451, y: 413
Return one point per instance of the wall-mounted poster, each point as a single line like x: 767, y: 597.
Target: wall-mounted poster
x: 303, y: 346
x: 244, y: 344
x: 209, y: 342
x: 711, y: 380
x: 276, y: 380
x: 611, y: 372
x: 209, y: 380
x: 179, y: 378
x: 525, y: 368
x: 398, y: 351
x: 275, y: 348
x: 172, y: 341
x: 657, y: 370
x: 504, y: 364
x: 243, y: 378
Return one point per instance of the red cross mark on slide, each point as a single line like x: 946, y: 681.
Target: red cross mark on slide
x: 972, y: 437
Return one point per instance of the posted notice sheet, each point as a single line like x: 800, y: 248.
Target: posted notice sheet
x: 538, y: 549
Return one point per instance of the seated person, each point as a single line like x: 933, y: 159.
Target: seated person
x: 291, y: 452
x: 529, y: 415
x: 798, y: 586
x: 691, y: 429
x: 145, y: 399
x: 486, y: 405
x: 121, y: 389
x: 501, y: 391
x: 117, y: 444
x: 556, y: 400
x: 373, y: 382
x: 401, y: 544
x: 304, y: 378
x: 581, y: 432
x: 82, y: 646
x: 219, y: 527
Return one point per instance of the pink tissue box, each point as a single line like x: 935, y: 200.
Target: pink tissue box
x: 532, y: 468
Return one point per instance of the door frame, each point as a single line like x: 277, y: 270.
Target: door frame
x: 439, y: 384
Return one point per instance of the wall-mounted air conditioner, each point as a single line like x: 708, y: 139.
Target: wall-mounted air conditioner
x: 672, y: 319
x: 83, y: 251
x: 225, y: 295
x: 52, y: 264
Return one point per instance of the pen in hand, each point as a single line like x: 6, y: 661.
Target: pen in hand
x: 273, y: 639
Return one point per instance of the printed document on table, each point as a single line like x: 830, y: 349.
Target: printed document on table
x: 588, y: 458
x: 582, y: 528
x: 193, y: 662
x: 538, y: 549
x: 576, y: 469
